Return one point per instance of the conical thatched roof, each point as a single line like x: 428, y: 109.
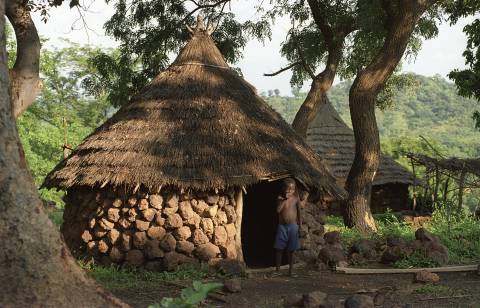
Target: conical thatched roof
x: 196, y: 125
x: 334, y: 141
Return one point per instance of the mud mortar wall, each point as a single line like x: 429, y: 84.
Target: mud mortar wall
x: 154, y: 231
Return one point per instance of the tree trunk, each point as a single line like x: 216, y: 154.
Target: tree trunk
x: 309, y: 108
x: 25, y: 83
x: 36, y: 269
x: 402, y: 16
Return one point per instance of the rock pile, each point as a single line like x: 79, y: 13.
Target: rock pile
x: 312, y: 230
x: 155, y: 231
x: 331, y: 254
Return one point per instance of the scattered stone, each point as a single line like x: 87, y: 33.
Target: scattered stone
x: 172, y: 260
x: 113, y: 236
x: 132, y: 215
x: 124, y: 223
x: 142, y: 225
x: 149, y: 214
x: 230, y: 267
x: 393, y: 241
x: 379, y: 299
x: 331, y: 255
x: 332, y: 237
x: 212, y: 199
x: 92, y: 248
x: 185, y: 210
x: 294, y: 300
x: 233, y: 285
x: 142, y: 204
x: 396, y: 253
x: 221, y: 217
x: 86, y: 236
x: 314, y: 299
x: 172, y: 201
x: 159, y: 220
x: 117, y: 202
x: 103, y: 246
x: 168, y: 242
x: 173, y: 221
x: 359, y: 301
x: 220, y: 236
x: 132, y: 201
x: 207, y: 251
x: 156, y: 232
x: 116, y: 255
x: 426, y: 277
x: 207, y: 226
x: 365, y: 247
x: 199, y: 238
x: 154, y: 266
x: 229, y: 250
x: 182, y: 233
x: 99, y: 232
x: 152, y: 249
x: 139, y: 239
x: 156, y: 201
x: 211, y: 211
x: 105, y: 224
x: 423, y: 235
x: 134, y: 258
x: 125, y: 241
x: 185, y: 247
x: 199, y: 206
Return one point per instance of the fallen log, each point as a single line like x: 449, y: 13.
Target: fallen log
x: 460, y: 268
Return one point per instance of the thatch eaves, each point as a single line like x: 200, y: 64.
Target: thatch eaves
x: 196, y: 125
x: 334, y: 141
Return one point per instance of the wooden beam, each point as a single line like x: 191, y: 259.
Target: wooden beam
x: 460, y: 268
x: 238, y: 222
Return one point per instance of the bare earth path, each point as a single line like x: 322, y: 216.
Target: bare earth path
x: 454, y: 290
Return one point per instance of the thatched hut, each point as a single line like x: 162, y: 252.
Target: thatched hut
x: 162, y: 182
x: 334, y: 141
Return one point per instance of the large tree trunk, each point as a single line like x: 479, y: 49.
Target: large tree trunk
x: 25, y: 83
x: 36, y: 269
x: 402, y: 16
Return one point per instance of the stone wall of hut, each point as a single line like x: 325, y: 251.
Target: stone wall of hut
x: 314, y: 216
x: 155, y: 231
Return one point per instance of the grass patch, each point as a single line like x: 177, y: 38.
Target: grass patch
x: 438, y: 290
x: 114, y: 277
x: 460, y: 234
x: 56, y: 217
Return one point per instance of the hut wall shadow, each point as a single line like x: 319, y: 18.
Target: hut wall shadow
x: 259, y: 224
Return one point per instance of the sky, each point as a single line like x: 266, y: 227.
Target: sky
x: 438, y: 56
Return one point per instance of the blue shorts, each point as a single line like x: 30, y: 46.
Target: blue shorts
x: 287, y: 237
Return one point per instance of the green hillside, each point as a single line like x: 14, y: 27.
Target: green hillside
x: 432, y: 109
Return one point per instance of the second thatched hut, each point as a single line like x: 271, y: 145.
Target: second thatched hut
x: 334, y: 141
x: 185, y: 172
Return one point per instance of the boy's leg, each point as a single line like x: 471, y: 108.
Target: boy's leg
x: 278, y: 258
x: 290, y: 262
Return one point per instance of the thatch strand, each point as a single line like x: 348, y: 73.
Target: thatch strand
x: 196, y: 125
x: 334, y: 141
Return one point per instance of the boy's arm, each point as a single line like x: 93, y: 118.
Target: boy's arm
x: 299, y: 212
x: 280, y: 204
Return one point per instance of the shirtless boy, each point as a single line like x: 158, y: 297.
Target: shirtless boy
x: 289, y: 220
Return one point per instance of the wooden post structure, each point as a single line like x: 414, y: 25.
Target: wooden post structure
x: 437, y: 183
x: 238, y: 223
x: 414, y: 187
x: 461, y: 183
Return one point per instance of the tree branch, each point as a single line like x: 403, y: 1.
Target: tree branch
x: 25, y: 83
x: 283, y: 69
x: 321, y: 22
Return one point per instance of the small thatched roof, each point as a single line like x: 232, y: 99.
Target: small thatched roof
x: 334, y: 141
x: 196, y: 125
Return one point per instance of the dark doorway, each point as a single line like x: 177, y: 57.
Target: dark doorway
x: 259, y: 224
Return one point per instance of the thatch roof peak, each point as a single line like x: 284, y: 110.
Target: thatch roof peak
x: 196, y: 125
x: 334, y: 141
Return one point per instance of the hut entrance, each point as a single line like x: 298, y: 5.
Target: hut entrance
x: 259, y: 224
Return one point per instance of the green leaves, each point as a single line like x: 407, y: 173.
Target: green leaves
x: 190, y: 297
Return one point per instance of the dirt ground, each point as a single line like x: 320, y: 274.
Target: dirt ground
x: 261, y: 290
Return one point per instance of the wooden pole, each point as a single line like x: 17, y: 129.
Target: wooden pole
x: 461, y: 183
x: 414, y: 188
x: 238, y: 223
x: 437, y: 183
